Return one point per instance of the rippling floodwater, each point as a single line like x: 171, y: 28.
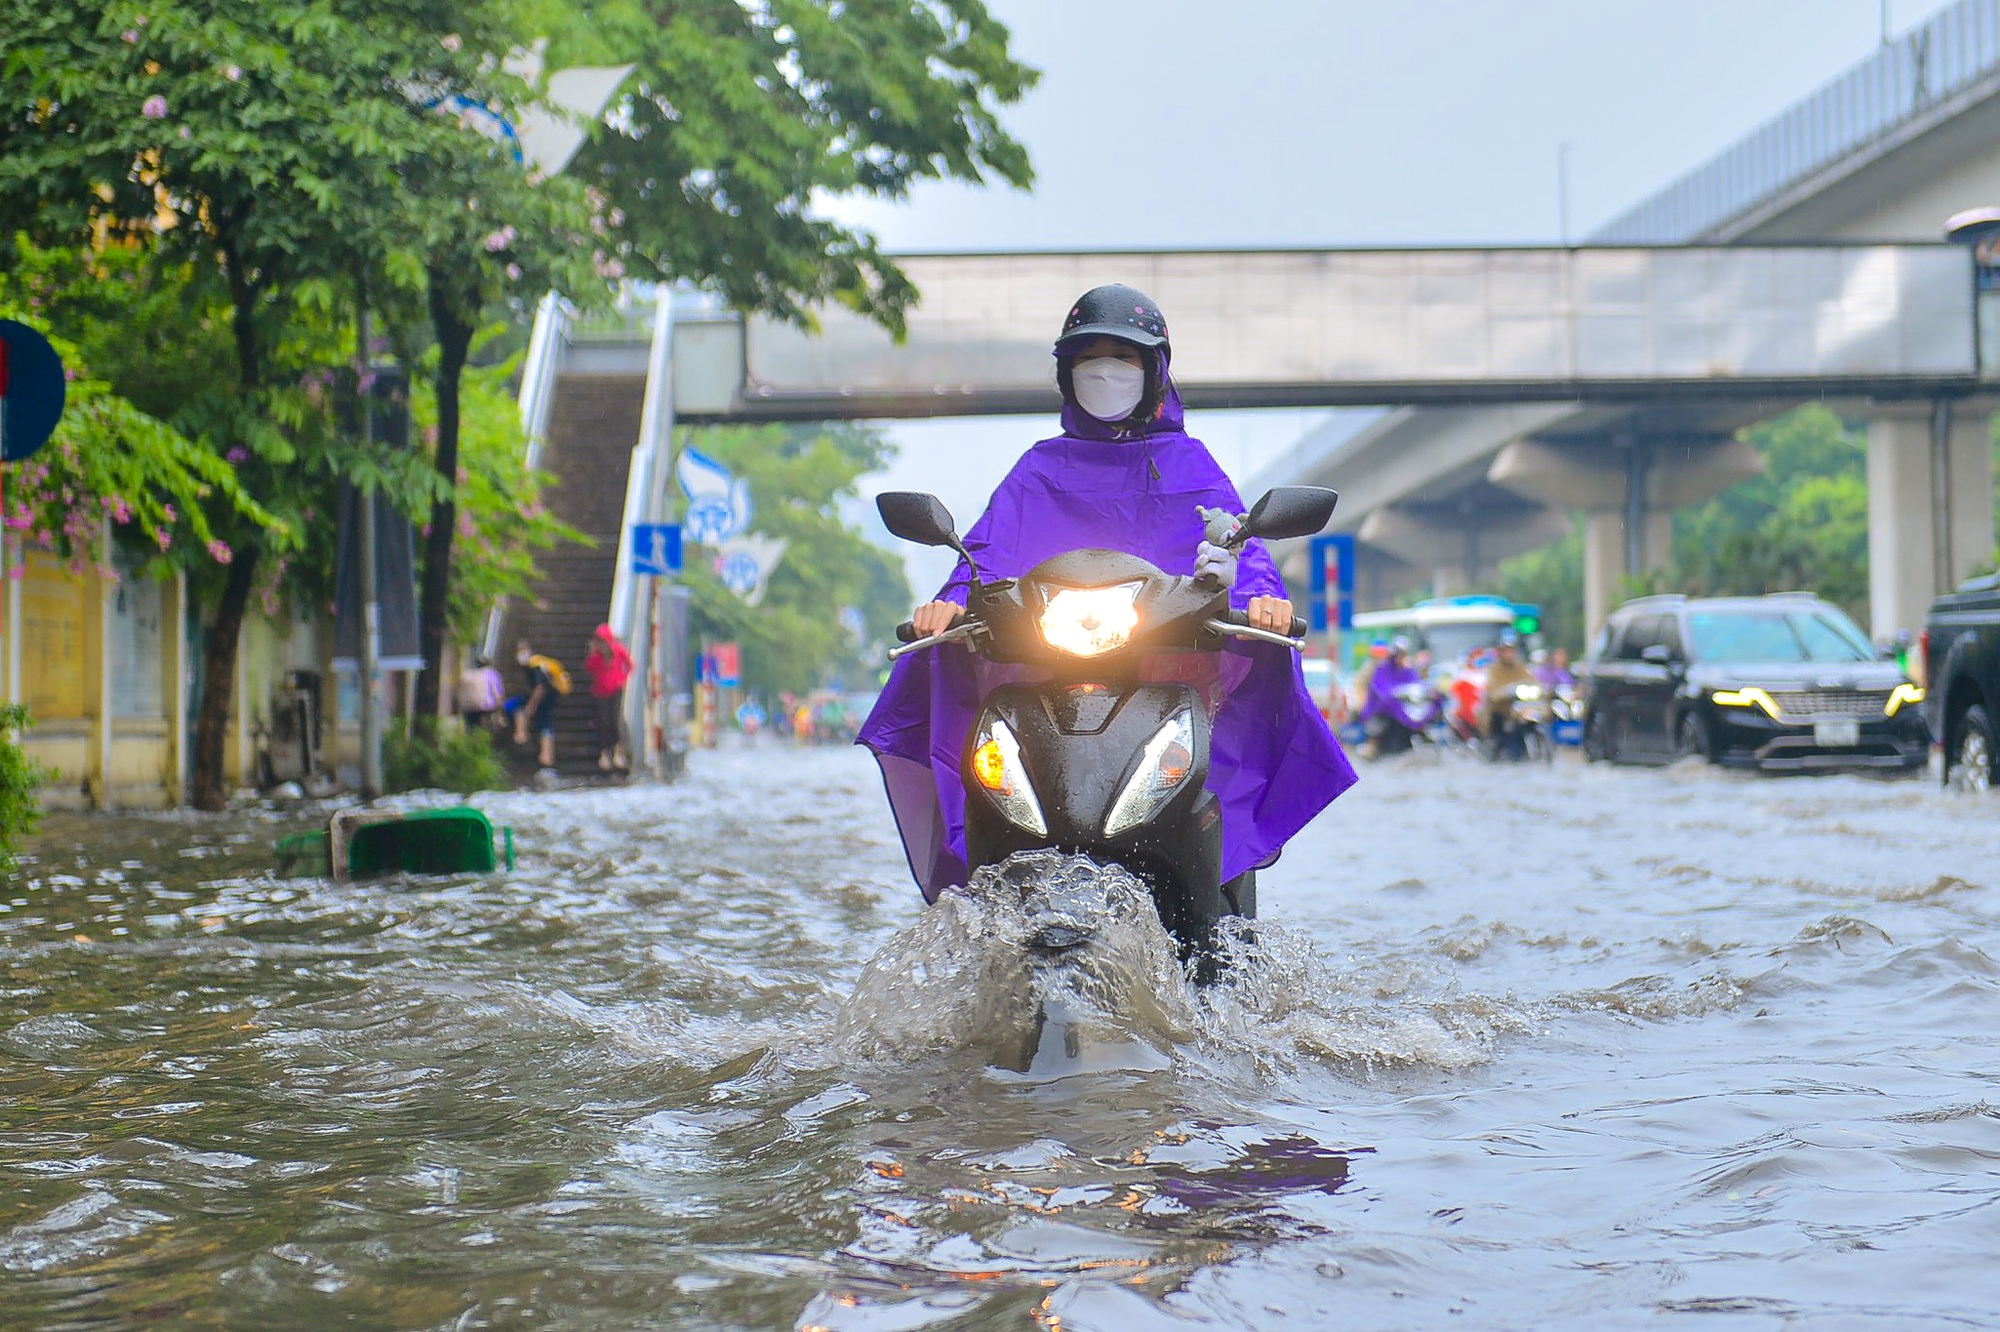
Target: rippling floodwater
x: 1516, y: 1048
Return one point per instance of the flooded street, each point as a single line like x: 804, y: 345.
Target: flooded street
x: 1511, y: 1048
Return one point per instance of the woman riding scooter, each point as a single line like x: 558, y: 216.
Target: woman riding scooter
x: 1399, y: 706
x: 1123, y: 475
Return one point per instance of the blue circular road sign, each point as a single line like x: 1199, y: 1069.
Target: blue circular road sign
x: 31, y: 390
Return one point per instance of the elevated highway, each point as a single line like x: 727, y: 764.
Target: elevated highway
x: 1884, y: 153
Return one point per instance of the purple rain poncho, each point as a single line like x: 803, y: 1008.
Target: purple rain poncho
x: 1382, y: 700
x: 1272, y: 762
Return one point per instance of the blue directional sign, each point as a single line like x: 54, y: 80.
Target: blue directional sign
x: 32, y: 389
x: 1333, y: 580
x: 656, y: 549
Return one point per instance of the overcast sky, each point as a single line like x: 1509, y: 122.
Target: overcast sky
x: 1188, y: 123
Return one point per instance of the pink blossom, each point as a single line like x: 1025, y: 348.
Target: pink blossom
x: 167, y: 511
x: 129, y: 35
x: 232, y: 72
x: 451, y: 41
x: 237, y: 454
x: 185, y: 133
x: 154, y: 107
x: 219, y: 552
x: 513, y: 272
x: 163, y: 536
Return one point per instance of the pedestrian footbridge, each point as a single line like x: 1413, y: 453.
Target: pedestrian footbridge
x: 1311, y: 328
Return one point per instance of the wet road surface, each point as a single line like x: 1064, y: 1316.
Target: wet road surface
x: 1524, y: 1048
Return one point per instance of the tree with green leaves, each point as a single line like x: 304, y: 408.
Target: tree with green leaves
x: 802, y: 478
x: 736, y: 122
x: 117, y: 468
x: 740, y: 118
x: 266, y: 145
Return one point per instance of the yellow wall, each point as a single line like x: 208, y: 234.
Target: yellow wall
x: 55, y: 624
x: 64, y: 661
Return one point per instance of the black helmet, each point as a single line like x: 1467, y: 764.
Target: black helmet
x: 1114, y: 311
x: 1129, y: 315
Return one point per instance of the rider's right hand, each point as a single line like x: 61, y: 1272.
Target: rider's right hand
x: 934, y: 617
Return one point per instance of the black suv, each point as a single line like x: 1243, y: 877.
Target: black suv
x: 1783, y: 682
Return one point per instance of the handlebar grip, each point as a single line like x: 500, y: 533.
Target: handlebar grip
x: 906, y: 632
x: 1299, y: 628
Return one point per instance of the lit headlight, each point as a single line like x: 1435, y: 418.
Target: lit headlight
x: 997, y: 767
x: 1165, y: 765
x: 1746, y: 698
x: 1902, y: 694
x: 1528, y: 693
x: 1090, y: 621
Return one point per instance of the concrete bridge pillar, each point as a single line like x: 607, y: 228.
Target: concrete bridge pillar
x: 1607, y: 558
x: 1628, y: 490
x: 1930, y: 510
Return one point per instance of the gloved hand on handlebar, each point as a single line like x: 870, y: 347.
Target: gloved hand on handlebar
x: 1217, y: 560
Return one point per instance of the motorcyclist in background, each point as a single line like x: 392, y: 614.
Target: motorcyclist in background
x: 1398, y: 706
x: 1123, y: 475
x: 1496, y: 707
x: 1552, y: 669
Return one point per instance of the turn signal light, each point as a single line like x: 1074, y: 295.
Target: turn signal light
x: 989, y: 765
x: 1175, y: 763
x: 1903, y: 693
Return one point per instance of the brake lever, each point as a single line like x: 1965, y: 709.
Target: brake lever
x: 965, y: 629
x: 1261, y: 635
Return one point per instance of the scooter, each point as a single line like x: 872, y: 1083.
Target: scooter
x: 1106, y: 753
x: 1522, y: 732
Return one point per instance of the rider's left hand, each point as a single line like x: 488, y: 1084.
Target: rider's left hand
x: 1272, y: 613
x: 1220, y: 561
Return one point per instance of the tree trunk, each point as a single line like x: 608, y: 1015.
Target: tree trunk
x: 218, y: 682
x: 454, y: 328
x: 211, y: 727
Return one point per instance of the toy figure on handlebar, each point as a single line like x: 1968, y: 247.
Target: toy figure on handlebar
x: 1123, y: 476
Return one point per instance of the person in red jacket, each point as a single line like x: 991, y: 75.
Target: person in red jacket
x: 610, y: 666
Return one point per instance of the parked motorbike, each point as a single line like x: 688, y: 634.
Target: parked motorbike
x: 1104, y: 750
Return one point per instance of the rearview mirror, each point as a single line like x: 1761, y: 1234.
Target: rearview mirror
x: 915, y: 516
x: 1657, y: 654
x: 1290, y: 511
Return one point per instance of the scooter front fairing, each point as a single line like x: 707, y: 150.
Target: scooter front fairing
x: 1113, y: 772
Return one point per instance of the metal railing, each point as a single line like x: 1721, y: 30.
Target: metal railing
x: 1956, y: 48
x: 538, y: 393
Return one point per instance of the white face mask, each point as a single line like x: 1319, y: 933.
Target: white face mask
x: 1107, y: 387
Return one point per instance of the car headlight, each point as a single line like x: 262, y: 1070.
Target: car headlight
x: 1900, y: 695
x: 1528, y: 693
x: 1090, y: 621
x: 1746, y: 698
x: 997, y: 767
x: 1163, y: 768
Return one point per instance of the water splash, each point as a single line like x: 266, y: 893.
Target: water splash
x: 1051, y: 964
x: 1045, y: 939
